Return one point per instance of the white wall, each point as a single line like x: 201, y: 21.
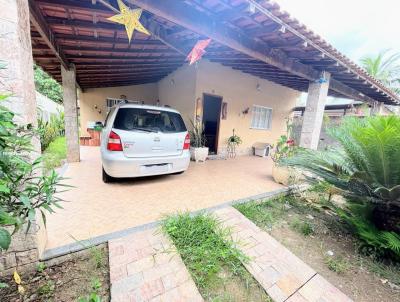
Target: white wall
x: 178, y: 91
x: 47, y: 107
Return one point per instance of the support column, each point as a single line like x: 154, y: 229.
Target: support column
x: 17, y: 80
x: 70, y: 113
x: 314, y: 112
x: 377, y: 109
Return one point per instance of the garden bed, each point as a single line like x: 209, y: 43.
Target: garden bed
x: 321, y: 240
x: 212, y: 259
x: 83, y: 277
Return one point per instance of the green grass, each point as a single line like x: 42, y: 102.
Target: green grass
x: 337, y: 264
x: 55, y: 153
x: 389, y: 271
x: 305, y: 228
x: 267, y: 213
x: 208, y: 252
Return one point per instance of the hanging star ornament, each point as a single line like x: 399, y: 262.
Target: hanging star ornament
x: 129, y: 18
x: 198, y: 51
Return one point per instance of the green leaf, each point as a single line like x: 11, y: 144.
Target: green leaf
x: 7, y: 219
x: 31, y: 215
x: 26, y: 201
x: 4, y: 189
x: 3, y: 285
x: 5, y: 239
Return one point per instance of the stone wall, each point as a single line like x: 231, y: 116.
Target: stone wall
x: 22, y: 255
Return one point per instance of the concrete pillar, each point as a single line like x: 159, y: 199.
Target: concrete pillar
x: 16, y: 54
x: 377, y: 109
x: 70, y: 114
x: 16, y: 79
x: 314, y: 112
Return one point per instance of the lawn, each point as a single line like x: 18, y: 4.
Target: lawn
x: 55, y: 154
x: 81, y: 277
x: 212, y: 259
x: 320, y: 239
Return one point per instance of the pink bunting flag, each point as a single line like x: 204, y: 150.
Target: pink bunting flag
x: 198, y: 51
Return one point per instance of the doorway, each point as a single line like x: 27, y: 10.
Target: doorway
x: 211, y: 118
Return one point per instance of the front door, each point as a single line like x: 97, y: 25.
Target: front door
x: 211, y: 118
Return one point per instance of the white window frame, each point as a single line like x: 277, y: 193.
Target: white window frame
x: 251, y: 120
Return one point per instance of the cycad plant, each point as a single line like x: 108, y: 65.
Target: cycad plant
x: 366, y: 170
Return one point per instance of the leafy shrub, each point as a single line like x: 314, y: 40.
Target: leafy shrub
x: 23, y: 191
x: 365, y: 170
x: 50, y: 130
x: 46, y: 85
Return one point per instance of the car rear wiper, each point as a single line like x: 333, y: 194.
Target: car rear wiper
x: 144, y: 129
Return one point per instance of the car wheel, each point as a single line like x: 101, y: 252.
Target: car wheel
x: 107, y: 178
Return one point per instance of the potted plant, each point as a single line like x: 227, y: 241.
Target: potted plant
x: 198, y: 150
x: 233, y: 141
x: 283, y: 149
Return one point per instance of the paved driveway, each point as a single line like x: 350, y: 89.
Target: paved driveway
x: 95, y: 208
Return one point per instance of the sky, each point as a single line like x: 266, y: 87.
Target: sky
x: 355, y: 27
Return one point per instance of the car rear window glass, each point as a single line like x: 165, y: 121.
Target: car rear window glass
x: 132, y: 119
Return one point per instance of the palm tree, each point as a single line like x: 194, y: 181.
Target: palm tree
x: 384, y: 67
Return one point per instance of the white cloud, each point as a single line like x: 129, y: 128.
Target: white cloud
x: 355, y: 27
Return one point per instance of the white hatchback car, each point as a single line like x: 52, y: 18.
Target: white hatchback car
x: 140, y: 140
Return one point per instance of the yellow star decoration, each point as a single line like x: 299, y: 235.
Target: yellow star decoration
x: 129, y: 18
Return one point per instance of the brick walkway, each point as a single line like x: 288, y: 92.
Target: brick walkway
x: 284, y: 276
x: 143, y: 267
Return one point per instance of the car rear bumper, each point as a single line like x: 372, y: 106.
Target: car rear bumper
x: 117, y: 165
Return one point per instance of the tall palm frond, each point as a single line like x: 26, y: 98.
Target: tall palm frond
x: 384, y: 67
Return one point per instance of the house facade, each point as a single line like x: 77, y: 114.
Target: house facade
x: 220, y: 97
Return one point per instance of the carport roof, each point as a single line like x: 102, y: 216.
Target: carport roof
x: 254, y: 37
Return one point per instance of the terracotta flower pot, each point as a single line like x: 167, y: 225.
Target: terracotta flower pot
x: 199, y: 154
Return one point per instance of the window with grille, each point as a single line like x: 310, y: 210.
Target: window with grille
x: 261, y: 118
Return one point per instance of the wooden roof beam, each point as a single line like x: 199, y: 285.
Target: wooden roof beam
x: 45, y: 32
x: 186, y: 16
x: 73, y: 4
x: 349, y: 92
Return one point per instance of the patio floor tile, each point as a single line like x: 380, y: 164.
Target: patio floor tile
x: 159, y: 276
x: 93, y: 208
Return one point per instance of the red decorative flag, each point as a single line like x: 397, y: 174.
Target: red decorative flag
x: 198, y: 51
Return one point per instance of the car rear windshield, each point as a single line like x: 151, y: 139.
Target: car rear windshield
x: 140, y: 119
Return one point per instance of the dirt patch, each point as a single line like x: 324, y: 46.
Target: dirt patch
x: 353, y: 278
x: 323, y: 243
x: 77, y: 277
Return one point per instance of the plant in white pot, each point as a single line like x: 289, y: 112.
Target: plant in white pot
x: 198, y: 150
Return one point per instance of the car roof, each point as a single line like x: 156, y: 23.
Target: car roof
x: 143, y: 106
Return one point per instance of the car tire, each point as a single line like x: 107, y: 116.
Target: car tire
x: 107, y: 178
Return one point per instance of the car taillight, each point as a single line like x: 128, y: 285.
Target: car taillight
x: 186, y: 144
x: 114, y: 142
